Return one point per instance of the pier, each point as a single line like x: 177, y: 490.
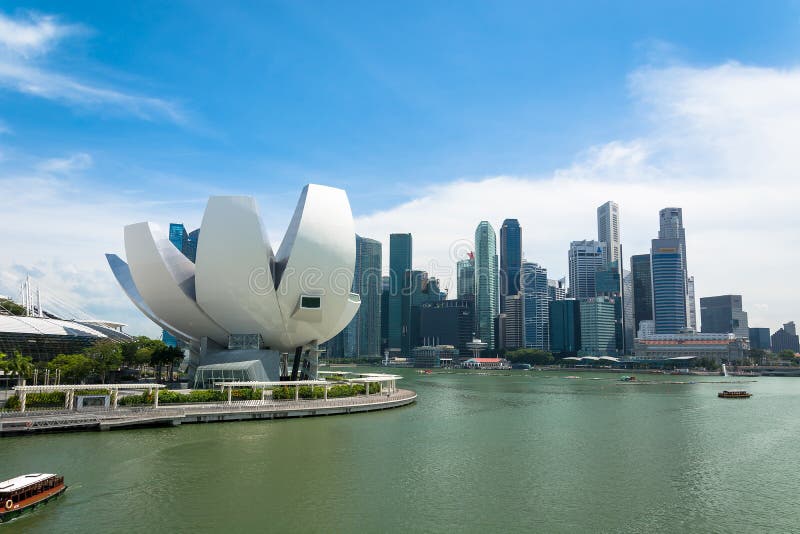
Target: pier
x: 30, y: 422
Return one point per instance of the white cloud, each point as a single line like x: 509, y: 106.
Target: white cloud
x: 75, y: 162
x: 31, y: 35
x: 721, y: 144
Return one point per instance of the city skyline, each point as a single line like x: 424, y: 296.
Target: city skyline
x: 111, y: 137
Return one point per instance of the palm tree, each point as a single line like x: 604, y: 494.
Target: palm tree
x: 19, y: 365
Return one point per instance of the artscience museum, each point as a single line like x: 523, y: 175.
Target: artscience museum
x: 242, y: 308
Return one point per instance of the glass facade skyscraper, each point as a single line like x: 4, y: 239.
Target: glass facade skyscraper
x: 642, y: 290
x: 565, y: 327
x: 465, y: 278
x: 486, y: 282
x: 723, y: 314
x: 670, y: 226
x: 598, y: 326
x: 536, y: 293
x: 510, y: 258
x: 585, y: 258
x: 608, y: 231
x: 669, y: 286
x: 399, y: 264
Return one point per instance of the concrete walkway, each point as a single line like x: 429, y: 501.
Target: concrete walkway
x: 14, y: 423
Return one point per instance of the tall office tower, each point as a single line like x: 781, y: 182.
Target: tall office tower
x: 565, y: 327
x: 465, y: 277
x: 187, y: 244
x: 399, y: 264
x: 510, y: 258
x: 361, y: 338
x: 420, y: 290
x: 536, y: 292
x: 691, y: 304
x: 585, y: 257
x: 785, y: 338
x: 514, y: 323
x: 608, y: 283
x: 608, y: 231
x: 627, y: 310
x: 191, y: 244
x: 724, y: 315
x: 670, y: 226
x: 557, y: 289
x: 642, y: 289
x: 598, y: 329
x: 485, y: 282
x: 669, y: 286
x: 759, y: 338
x: 178, y: 235
x: 448, y: 322
x: 183, y: 241
x: 385, y: 291
x: 368, y: 283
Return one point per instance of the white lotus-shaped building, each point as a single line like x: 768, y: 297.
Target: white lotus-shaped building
x: 239, y: 301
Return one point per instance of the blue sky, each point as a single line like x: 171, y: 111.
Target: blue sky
x: 149, y: 107
x: 379, y: 97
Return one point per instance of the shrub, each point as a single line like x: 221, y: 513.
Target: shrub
x: 51, y: 399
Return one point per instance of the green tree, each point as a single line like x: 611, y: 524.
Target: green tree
x: 530, y: 356
x: 105, y: 356
x: 18, y: 365
x: 12, y: 307
x: 786, y: 355
x: 165, y: 356
x: 73, y: 367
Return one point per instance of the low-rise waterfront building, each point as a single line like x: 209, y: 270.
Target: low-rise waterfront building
x: 435, y: 356
x: 486, y: 363
x: 719, y: 347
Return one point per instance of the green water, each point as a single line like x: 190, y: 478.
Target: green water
x: 520, y: 451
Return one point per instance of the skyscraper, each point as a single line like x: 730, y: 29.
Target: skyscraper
x: 608, y: 283
x: 786, y: 338
x: 485, y: 282
x: 399, y: 263
x: 368, y: 278
x: 585, y: 258
x: 598, y: 330
x: 514, y: 323
x: 361, y: 338
x: 759, y: 338
x: 510, y: 258
x: 724, y: 315
x: 608, y: 231
x: 670, y: 226
x: 385, y: 292
x: 419, y: 290
x: 642, y: 289
x: 627, y: 310
x: 669, y: 286
x: 565, y: 327
x: 557, y: 289
x: 465, y: 277
x: 536, y: 292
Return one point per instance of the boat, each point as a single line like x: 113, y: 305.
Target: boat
x: 26, y: 492
x: 627, y: 378
x: 734, y: 395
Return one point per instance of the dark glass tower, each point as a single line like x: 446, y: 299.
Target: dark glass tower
x: 399, y: 264
x: 510, y: 259
x: 642, y: 290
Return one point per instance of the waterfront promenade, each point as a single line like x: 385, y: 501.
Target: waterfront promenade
x: 16, y: 423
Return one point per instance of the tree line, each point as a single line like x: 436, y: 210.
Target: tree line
x: 99, y: 360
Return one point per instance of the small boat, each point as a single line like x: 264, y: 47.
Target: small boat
x: 627, y: 378
x: 26, y: 492
x: 734, y: 395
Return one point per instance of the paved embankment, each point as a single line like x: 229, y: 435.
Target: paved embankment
x: 44, y: 421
